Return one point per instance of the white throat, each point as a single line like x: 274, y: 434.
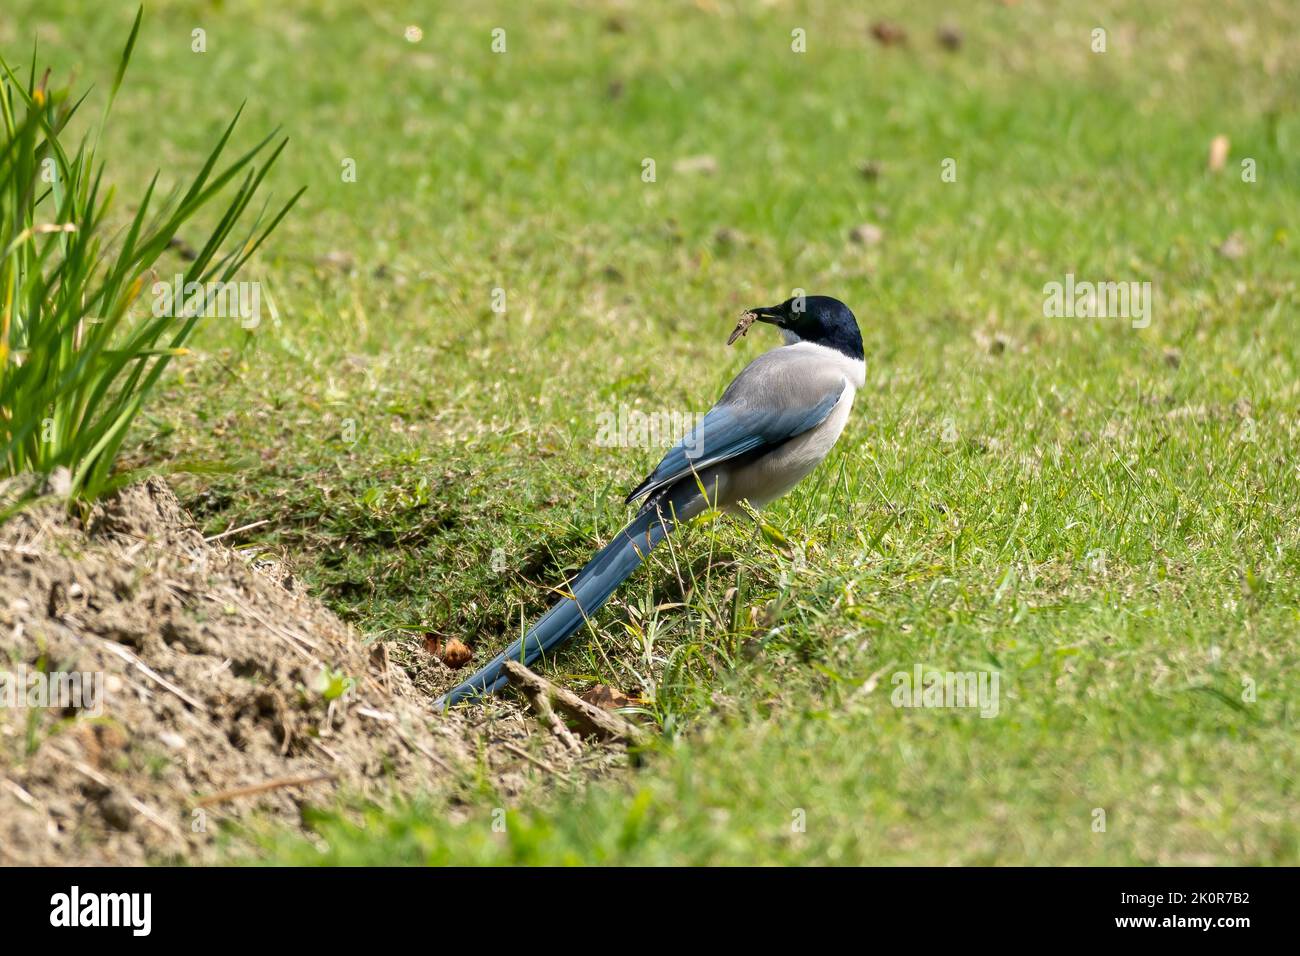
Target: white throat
x: 854, y: 370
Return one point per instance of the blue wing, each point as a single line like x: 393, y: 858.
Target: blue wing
x: 732, y: 428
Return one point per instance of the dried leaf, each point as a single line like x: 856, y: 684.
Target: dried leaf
x: 867, y: 234
x: 702, y: 165
x: 888, y: 34
x: 1234, y: 247
x: 949, y: 37
x: 457, y: 653
x: 606, y: 698
x: 1218, y: 153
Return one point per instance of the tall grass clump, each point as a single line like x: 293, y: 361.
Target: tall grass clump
x: 76, y: 362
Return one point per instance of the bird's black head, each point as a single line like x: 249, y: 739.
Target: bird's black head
x: 818, y: 319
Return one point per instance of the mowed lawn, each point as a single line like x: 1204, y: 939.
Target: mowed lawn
x: 1104, y: 516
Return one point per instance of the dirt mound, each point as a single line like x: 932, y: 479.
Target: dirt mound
x: 154, y: 685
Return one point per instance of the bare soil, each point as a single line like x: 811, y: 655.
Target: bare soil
x: 225, y: 693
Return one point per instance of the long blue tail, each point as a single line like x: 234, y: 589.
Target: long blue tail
x: 611, y: 566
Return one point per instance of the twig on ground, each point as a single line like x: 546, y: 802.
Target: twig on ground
x: 256, y: 788
x: 405, y: 738
x: 591, y: 720
x: 144, y: 669
x: 21, y: 794
x: 229, y: 531
x: 141, y: 808
x: 535, y: 761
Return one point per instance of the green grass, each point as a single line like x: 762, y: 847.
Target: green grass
x: 75, y: 366
x: 1171, y: 449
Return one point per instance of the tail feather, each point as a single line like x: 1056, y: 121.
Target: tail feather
x: 590, y: 589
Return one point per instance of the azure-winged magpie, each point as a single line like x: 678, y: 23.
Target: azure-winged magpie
x: 775, y: 422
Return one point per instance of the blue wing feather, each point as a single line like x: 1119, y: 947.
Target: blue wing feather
x: 730, y: 430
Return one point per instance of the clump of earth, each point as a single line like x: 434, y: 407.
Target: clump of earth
x: 156, y: 688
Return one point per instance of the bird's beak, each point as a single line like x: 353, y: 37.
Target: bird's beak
x: 771, y: 314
